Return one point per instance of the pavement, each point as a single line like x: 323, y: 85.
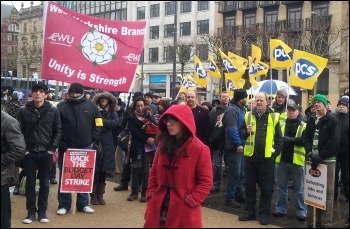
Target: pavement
x: 120, y: 213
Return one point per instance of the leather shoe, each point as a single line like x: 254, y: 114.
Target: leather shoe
x: 278, y: 214
x: 53, y: 181
x: 246, y: 217
x: 264, y: 219
x: 301, y: 218
x: 120, y: 188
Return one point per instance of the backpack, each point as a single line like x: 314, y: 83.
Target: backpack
x: 217, y: 137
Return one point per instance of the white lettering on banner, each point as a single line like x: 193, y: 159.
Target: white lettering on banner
x: 133, y: 32
x: 61, y: 67
x: 76, y: 182
x: 105, y: 81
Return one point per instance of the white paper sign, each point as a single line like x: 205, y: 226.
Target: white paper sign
x: 315, y: 188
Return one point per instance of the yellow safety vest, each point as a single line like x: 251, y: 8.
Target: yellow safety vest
x: 299, y: 151
x: 272, y: 120
x: 283, y: 117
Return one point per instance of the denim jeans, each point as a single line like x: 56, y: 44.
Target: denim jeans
x: 42, y: 161
x: 235, y: 174
x: 326, y: 216
x: 65, y: 199
x: 283, y: 172
x: 217, y: 168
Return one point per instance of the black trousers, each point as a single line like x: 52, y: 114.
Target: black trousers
x: 342, y: 164
x: 126, y: 175
x: 258, y: 171
x: 5, y: 207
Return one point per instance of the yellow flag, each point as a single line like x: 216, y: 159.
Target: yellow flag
x: 213, y: 68
x: 137, y: 74
x: 239, y: 62
x: 306, y: 68
x: 279, y: 54
x: 262, y: 69
x: 233, y: 84
x: 252, y: 76
x: 232, y: 69
x: 200, y: 76
x: 188, y: 84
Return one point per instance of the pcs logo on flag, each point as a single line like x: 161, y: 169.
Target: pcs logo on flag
x: 229, y: 67
x: 304, y: 69
x: 279, y: 54
x: 200, y: 71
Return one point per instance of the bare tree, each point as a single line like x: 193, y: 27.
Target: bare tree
x: 12, y: 59
x: 184, y: 51
x: 29, y: 55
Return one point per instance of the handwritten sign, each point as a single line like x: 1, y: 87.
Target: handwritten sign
x: 78, y: 170
x: 315, y: 188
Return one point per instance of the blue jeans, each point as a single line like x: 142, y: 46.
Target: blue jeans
x: 283, y: 172
x: 42, y: 162
x: 65, y: 199
x: 217, y: 168
x: 235, y: 174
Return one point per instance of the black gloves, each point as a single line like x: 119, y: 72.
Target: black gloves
x: 315, y: 160
x: 288, y: 139
x: 275, y: 155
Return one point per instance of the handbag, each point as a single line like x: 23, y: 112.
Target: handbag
x: 99, y: 151
x: 124, y: 139
x: 54, y: 157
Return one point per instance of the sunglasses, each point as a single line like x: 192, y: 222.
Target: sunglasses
x: 170, y: 119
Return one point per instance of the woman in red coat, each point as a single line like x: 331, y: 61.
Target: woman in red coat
x: 181, y: 173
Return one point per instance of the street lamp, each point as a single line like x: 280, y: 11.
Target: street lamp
x: 174, y: 53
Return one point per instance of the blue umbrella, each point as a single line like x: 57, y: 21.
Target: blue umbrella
x: 271, y: 87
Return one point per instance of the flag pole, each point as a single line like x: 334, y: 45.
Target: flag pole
x: 288, y: 87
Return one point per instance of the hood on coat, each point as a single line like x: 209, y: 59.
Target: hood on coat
x: 183, y: 113
x: 112, y: 101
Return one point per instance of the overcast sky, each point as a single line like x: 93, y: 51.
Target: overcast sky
x: 17, y: 4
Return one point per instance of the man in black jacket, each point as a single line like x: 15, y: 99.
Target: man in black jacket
x: 321, y: 142
x: 13, y: 148
x: 81, y: 126
x: 41, y: 126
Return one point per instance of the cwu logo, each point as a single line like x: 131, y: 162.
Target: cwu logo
x: 229, y: 67
x: 304, y: 69
x: 279, y: 54
x: 200, y: 71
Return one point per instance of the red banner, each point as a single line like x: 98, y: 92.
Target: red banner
x: 78, y: 170
x: 96, y: 52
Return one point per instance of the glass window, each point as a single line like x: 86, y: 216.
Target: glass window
x: 203, y: 27
x: 169, y: 30
x: 168, y: 54
x: 25, y: 28
x: 203, y: 5
x: 13, y: 28
x: 154, y: 10
x: 249, y: 20
x: 202, y: 51
x: 153, y: 55
x: 170, y: 8
x: 154, y: 32
x: 271, y: 19
x: 185, y: 29
x: 186, y: 6
x: 294, y: 17
x: 141, y: 11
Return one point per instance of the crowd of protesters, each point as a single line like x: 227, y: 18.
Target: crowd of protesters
x: 178, y: 149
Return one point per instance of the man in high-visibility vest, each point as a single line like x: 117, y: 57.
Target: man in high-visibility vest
x: 264, y: 142
x: 290, y: 163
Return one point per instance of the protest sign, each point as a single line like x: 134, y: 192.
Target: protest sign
x: 315, y: 188
x: 78, y: 170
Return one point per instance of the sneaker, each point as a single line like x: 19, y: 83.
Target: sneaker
x: 29, y: 219
x: 53, y: 181
x: 62, y: 211
x: 232, y: 203
x: 88, y: 209
x: 43, y: 218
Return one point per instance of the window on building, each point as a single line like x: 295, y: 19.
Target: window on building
x: 34, y: 26
x: 169, y: 30
x: 154, y: 10
x: 154, y: 32
x: 34, y: 45
x: 141, y: 11
x: 203, y: 5
x: 25, y: 28
x: 186, y: 6
x: 203, y: 27
x: 170, y: 8
x: 185, y: 29
x: 168, y: 54
x: 13, y: 27
x: 249, y: 20
x: 202, y: 51
x: 294, y: 17
x: 153, y: 55
x: 271, y: 19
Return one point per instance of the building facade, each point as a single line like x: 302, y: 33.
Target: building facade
x: 9, y: 40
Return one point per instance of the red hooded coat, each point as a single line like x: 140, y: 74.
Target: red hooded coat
x: 192, y: 180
